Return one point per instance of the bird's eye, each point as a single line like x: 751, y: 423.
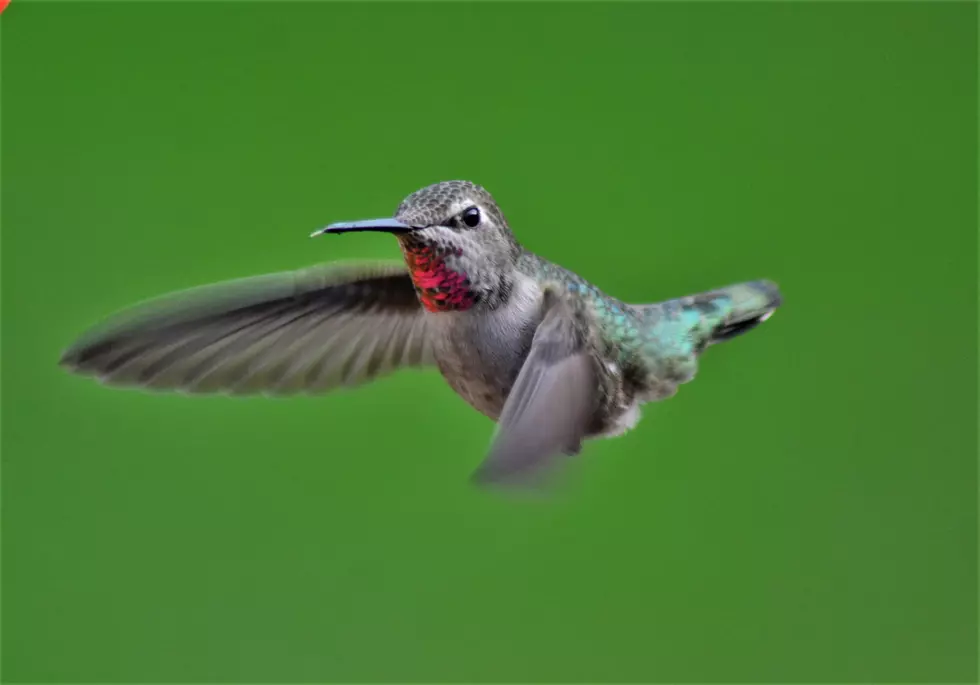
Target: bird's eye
x: 471, y: 217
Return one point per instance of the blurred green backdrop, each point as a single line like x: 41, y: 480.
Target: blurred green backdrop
x: 805, y: 510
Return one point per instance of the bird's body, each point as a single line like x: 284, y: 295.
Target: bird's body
x: 526, y: 342
x: 640, y: 353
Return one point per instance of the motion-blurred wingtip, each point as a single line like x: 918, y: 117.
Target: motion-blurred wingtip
x: 518, y: 484
x: 68, y: 360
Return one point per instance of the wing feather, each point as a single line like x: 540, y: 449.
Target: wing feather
x: 548, y: 410
x: 302, y: 331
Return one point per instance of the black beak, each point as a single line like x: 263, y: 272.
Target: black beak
x: 377, y: 225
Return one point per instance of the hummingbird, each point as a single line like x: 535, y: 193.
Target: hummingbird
x: 545, y: 354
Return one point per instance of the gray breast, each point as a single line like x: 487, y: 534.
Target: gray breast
x: 480, y: 354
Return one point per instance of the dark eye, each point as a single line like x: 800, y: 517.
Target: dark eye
x: 471, y: 217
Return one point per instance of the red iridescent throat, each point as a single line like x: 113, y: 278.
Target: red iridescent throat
x: 440, y: 288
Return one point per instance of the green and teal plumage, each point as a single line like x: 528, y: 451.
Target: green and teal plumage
x: 660, y: 343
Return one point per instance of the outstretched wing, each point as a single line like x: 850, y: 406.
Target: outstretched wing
x: 301, y: 331
x: 548, y: 410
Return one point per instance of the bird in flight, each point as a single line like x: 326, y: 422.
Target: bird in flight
x: 533, y: 346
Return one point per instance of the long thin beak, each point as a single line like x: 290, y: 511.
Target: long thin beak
x: 379, y: 225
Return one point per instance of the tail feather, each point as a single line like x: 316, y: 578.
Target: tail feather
x: 718, y: 315
x: 748, y: 305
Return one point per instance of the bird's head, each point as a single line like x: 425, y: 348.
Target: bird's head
x: 456, y: 242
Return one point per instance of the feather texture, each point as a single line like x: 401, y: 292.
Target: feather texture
x: 548, y: 410
x: 310, y: 330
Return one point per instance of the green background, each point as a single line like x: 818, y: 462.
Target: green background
x: 805, y: 510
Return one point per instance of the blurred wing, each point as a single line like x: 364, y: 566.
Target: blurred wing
x: 548, y: 409
x: 301, y: 331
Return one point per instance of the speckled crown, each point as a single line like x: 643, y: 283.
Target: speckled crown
x: 431, y: 204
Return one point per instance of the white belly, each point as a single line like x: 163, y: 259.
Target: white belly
x: 625, y: 421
